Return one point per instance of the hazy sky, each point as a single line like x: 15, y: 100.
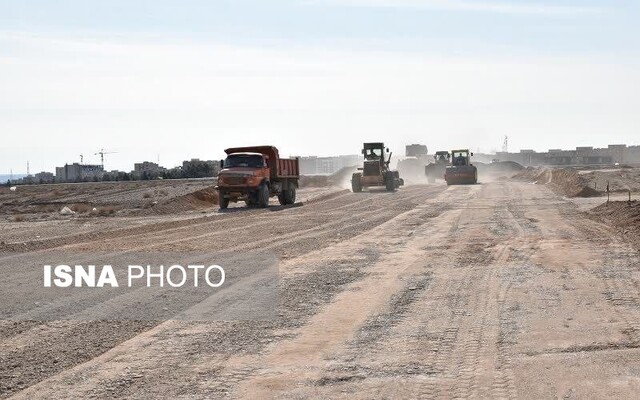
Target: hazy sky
x: 183, y: 79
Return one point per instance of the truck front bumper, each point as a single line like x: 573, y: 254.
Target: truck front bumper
x: 236, y: 192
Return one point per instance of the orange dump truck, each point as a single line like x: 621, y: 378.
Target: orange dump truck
x: 254, y: 174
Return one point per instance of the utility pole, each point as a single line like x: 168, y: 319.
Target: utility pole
x: 81, y: 159
x: 505, y: 144
x: 28, y: 173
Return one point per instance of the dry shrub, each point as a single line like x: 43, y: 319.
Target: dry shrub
x: 45, y: 208
x: 81, y: 208
x: 106, y: 211
x: 146, y: 195
x: 18, y: 218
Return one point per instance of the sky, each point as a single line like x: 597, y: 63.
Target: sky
x: 173, y: 80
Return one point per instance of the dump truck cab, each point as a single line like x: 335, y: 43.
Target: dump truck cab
x: 254, y: 174
x: 244, y: 168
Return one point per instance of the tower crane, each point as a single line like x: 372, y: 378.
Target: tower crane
x: 102, y: 153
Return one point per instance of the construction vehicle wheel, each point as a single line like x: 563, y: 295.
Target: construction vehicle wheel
x: 356, y: 185
x: 390, y: 182
x: 263, y: 196
x: 223, y: 202
x: 282, y: 198
x: 291, y: 195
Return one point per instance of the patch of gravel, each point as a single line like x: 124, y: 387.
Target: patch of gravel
x: 51, y: 354
x: 301, y: 296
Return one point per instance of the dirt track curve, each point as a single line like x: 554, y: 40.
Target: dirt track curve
x: 497, y: 290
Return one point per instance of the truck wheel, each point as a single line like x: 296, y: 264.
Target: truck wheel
x: 263, y: 196
x: 282, y: 198
x: 356, y: 184
x: 390, y: 182
x: 291, y: 195
x: 223, y: 202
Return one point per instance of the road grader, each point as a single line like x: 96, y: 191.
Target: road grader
x: 375, y: 171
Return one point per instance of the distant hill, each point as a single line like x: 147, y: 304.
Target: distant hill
x: 5, y: 178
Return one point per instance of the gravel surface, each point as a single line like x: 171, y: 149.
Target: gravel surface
x: 502, y: 289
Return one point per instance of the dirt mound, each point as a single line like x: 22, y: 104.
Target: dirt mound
x: 565, y: 181
x: 505, y: 166
x: 620, y: 179
x: 341, y: 177
x: 314, y: 180
x: 624, y: 215
x: 202, y: 199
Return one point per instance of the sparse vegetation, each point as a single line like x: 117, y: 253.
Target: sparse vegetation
x: 81, y: 208
x: 106, y: 211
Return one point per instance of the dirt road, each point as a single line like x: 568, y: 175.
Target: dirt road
x: 502, y: 289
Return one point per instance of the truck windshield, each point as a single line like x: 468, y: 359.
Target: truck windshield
x: 249, y: 161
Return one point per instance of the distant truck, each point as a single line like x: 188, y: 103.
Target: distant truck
x: 435, y: 170
x: 254, y: 174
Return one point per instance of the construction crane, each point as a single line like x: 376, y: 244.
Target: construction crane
x: 102, y: 153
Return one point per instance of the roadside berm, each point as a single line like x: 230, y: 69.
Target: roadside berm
x: 565, y: 181
x: 624, y: 216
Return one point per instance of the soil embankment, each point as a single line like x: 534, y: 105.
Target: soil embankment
x: 340, y: 178
x: 624, y: 216
x: 565, y: 181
